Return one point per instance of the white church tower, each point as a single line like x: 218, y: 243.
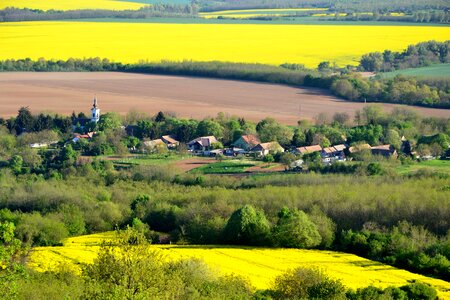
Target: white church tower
x: 95, y: 112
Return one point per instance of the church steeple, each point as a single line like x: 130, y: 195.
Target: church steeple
x: 95, y: 116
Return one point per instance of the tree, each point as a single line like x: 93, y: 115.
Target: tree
x: 341, y: 118
x: 269, y: 130
x: 393, y: 138
x: 299, y: 138
x: 11, y: 252
x: 15, y: 163
x: 160, y: 117
x: 294, y: 229
x: 324, y: 66
x: 24, y: 120
x: 68, y: 156
x: 109, y: 120
x: 287, y: 159
x: 247, y: 226
x: 209, y: 127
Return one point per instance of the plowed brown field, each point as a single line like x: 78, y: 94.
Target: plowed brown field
x: 185, y: 96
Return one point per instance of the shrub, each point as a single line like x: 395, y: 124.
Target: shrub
x: 304, y: 283
x: 295, y: 230
x: 247, y: 226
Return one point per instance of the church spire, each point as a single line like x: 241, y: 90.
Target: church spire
x: 95, y: 116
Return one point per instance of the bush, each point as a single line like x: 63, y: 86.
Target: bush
x: 419, y: 290
x: 295, y: 230
x: 304, y: 283
x: 247, y: 226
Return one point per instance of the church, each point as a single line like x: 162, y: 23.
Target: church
x: 94, y: 117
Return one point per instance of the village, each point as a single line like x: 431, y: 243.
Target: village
x: 247, y: 146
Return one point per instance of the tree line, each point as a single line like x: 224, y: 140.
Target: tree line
x: 12, y: 14
x: 415, y: 56
x: 382, y: 6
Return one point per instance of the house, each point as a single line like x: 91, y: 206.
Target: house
x: 359, y: 148
x: 247, y: 142
x: 333, y: 153
x: 202, y: 143
x: 384, y: 150
x: 263, y: 149
x: 79, y: 136
x: 170, y: 141
x: 308, y: 149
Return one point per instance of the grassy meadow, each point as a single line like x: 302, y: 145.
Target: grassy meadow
x: 259, y: 265
x: 434, y: 71
x: 72, y: 5
x: 270, y: 44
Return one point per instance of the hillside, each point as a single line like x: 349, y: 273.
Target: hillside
x: 260, y: 265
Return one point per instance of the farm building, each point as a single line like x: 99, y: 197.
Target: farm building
x: 170, y: 141
x: 359, y: 148
x: 247, y: 142
x: 308, y: 149
x: 384, y: 150
x: 201, y: 144
x: 263, y: 149
x: 333, y: 153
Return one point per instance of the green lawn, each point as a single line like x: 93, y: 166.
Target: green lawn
x: 152, y: 159
x: 436, y: 71
x: 225, y: 167
x: 438, y: 166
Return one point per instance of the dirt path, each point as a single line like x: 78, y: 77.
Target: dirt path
x: 185, y: 96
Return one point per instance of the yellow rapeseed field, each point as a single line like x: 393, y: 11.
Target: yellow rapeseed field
x: 70, y: 4
x: 270, y: 44
x: 249, y: 13
x: 259, y: 265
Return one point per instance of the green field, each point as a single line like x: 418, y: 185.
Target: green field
x: 146, y: 160
x: 435, y: 71
x: 435, y: 166
x: 225, y: 167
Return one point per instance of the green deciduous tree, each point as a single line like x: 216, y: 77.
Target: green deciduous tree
x: 247, y: 226
x: 294, y: 229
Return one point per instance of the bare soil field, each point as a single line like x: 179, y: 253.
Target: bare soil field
x: 186, y: 165
x: 185, y: 96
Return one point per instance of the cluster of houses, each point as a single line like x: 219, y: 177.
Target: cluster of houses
x: 251, y: 145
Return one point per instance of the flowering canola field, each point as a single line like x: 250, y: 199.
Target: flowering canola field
x: 250, y: 13
x: 259, y: 265
x: 269, y: 44
x: 70, y: 4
